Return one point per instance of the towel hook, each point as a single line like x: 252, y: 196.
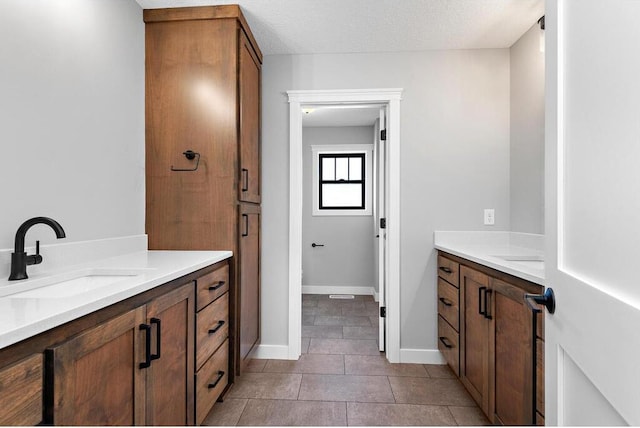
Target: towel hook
x: 191, y: 155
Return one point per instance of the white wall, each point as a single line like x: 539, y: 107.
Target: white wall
x: 454, y: 162
x: 72, y: 109
x: 347, y: 259
x: 527, y: 133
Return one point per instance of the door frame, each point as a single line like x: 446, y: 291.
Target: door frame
x: 297, y: 100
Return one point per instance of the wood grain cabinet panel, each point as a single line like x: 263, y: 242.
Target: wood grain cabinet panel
x: 448, y: 344
x: 448, y: 303
x: 449, y: 270
x: 135, y: 369
x: 21, y: 392
x: 203, y: 74
x: 211, y: 380
x: 212, y: 285
x: 212, y: 328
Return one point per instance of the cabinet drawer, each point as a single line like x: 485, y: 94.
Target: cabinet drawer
x: 540, y: 376
x: 448, y: 303
x: 448, y: 344
x: 448, y: 270
x: 211, y: 286
x: 212, y: 328
x: 21, y: 392
x: 211, y: 380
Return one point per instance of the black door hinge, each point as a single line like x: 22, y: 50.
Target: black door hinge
x: 383, y: 312
x: 383, y: 135
x: 383, y: 223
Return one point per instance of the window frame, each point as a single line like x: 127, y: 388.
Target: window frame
x: 343, y: 150
x: 362, y: 181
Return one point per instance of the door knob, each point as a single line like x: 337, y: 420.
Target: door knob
x: 548, y: 299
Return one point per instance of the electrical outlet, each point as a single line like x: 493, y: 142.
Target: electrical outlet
x: 489, y: 216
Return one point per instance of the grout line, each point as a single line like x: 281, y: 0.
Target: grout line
x: 242, y: 412
x: 451, y: 413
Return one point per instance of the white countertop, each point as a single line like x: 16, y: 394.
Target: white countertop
x: 26, y: 310
x: 492, y: 248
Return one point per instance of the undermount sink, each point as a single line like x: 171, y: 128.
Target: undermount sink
x: 76, y: 283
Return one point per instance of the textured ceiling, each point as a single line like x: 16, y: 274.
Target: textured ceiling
x: 348, y: 26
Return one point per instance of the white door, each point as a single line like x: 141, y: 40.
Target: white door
x: 592, y: 348
x: 382, y: 202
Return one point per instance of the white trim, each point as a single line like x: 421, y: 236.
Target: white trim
x: 391, y: 98
x: 367, y: 149
x: 338, y: 289
x: 271, y: 352
x: 376, y: 296
x: 421, y: 356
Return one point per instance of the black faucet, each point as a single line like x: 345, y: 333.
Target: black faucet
x: 19, y: 259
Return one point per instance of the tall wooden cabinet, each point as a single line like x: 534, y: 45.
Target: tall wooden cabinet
x: 203, y: 148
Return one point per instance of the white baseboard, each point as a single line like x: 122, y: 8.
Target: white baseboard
x: 271, y: 352
x: 421, y: 356
x: 376, y: 296
x: 338, y: 289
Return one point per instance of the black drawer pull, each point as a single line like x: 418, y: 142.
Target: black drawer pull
x: 147, y: 346
x: 487, y: 303
x: 218, y: 285
x: 482, y: 308
x: 245, y: 179
x: 446, y: 301
x: 445, y: 269
x: 217, y: 327
x: 156, y: 321
x: 217, y: 381
x: 246, y: 225
x: 445, y: 341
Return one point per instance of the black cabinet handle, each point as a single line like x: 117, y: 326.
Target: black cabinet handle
x: 445, y: 269
x: 246, y: 225
x: 220, y: 376
x: 157, y: 323
x: 218, y: 285
x: 147, y: 346
x: 445, y: 341
x: 446, y: 301
x: 481, y: 307
x: 217, y: 327
x: 487, y: 303
x: 245, y: 179
x: 314, y: 245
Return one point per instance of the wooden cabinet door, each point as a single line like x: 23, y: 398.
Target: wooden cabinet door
x: 170, y: 390
x: 474, y: 335
x: 21, y: 392
x: 96, y: 375
x: 249, y: 84
x: 510, y: 355
x: 249, y: 280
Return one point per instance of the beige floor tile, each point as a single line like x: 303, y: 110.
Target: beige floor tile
x: 266, y: 385
x: 370, y: 309
x: 308, y: 363
x: 360, y: 332
x: 342, y: 320
x: 226, y: 413
x: 308, y: 319
x: 339, y: 303
x: 293, y: 413
x: 469, y: 416
x: 323, y: 331
x: 308, y: 304
x: 322, y: 310
x: 440, y: 371
x: 441, y: 392
x: 366, y: 389
x: 304, y: 346
x: 374, y: 320
x: 379, y: 366
x: 344, y: 346
x: 255, y: 366
x: 370, y: 414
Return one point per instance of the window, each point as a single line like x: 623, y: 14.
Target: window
x: 342, y: 180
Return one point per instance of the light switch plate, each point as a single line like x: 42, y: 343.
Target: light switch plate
x: 489, y: 216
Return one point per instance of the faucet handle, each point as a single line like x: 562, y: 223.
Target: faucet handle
x: 37, y: 258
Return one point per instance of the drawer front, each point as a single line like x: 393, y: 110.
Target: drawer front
x: 21, y: 397
x: 540, y: 376
x: 212, y: 328
x: 448, y: 303
x: 211, y: 286
x: 211, y: 380
x: 448, y: 344
x: 448, y: 270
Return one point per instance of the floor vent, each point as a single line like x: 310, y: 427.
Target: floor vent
x: 342, y: 296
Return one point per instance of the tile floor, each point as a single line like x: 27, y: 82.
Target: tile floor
x: 341, y: 379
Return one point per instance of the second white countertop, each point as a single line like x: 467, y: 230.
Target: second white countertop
x: 25, y: 313
x: 518, y: 254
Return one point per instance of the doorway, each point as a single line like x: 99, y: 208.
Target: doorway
x: 389, y: 99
